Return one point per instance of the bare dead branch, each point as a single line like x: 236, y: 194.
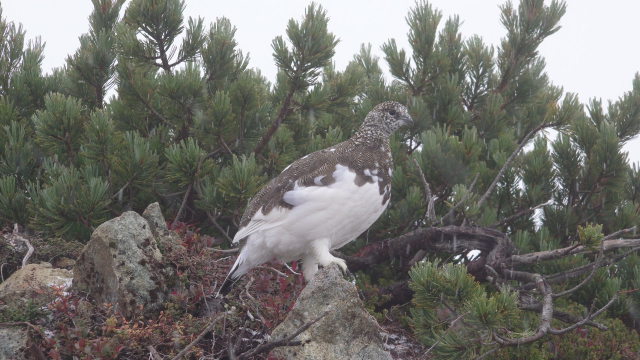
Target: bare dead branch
x: 430, y: 214
x: 571, y: 273
x: 286, y: 341
x: 451, y: 239
x: 538, y: 256
x: 546, y: 314
x: 15, y: 235
x: 596, y: 266
x: 586, y: 319
x: 616, y: 234
x: 565, y: 317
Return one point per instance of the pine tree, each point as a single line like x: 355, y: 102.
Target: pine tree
x: 498, y: 229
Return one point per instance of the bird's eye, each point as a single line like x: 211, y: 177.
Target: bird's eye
x: 391, y: 112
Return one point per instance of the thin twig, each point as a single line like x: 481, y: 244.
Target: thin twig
x: 226, y: 251
x: 596, y: 266
x: 455, y: 207
x: 214, y: 221
x: 182, y: 205
x: 119, y: 192
x: 287, y: 341
x: 278, y: 272
x: 204, y: 332
x: 518, y: 214
x: 290, y: 269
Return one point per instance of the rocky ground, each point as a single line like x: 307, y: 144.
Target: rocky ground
x: 138, y: 290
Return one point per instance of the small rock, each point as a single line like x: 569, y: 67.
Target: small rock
x: 28, y: 282
x: 154, y: 216
x: 346, y: 332
x: 18, y: 342
x: 167, y: 239
x: 122, y: 265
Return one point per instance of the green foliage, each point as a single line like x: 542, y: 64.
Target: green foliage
x: 13, y: 202
x: 91, y: 68
x: 59, y: 127
x: 312, y: 48
x: 72, y: 204
x: 22, y: 311
x: 590, y: 235
x: 453, y: 314
x: 187, y: 164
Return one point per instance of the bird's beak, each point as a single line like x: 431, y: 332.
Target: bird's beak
x: 407, y: 120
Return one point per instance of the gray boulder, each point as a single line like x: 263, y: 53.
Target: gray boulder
x: 32, y: 282
x: 346, y: 332
x: 122, y: 265
x: 19, y: 342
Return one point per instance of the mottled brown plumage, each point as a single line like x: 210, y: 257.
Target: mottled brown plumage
x: 365, y: 159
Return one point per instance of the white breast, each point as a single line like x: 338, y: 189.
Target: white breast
x: 340, y: 212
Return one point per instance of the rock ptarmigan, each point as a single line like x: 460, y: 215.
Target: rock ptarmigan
x: 322, y: 201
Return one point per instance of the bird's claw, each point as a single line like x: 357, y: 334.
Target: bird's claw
x: 341, y: 263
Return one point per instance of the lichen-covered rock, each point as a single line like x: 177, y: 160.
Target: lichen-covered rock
x: 28, y: 283
x: 346, y: 332
x: 19, y: 342
x: 122, y: 265
x: 167, y: 239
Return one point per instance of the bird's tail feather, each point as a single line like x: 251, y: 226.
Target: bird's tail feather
x: 231, y: 278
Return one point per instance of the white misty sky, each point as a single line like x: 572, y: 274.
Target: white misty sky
x: 595, y: 53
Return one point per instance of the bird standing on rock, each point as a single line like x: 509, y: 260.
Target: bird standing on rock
x: 322, y: 201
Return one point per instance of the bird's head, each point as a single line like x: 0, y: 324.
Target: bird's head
x: 386, y: 117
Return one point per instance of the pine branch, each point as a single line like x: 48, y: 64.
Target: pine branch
x: 451, y: 212
x: 282, y: 114
x: 149, y: 107
x: 512, y: 157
